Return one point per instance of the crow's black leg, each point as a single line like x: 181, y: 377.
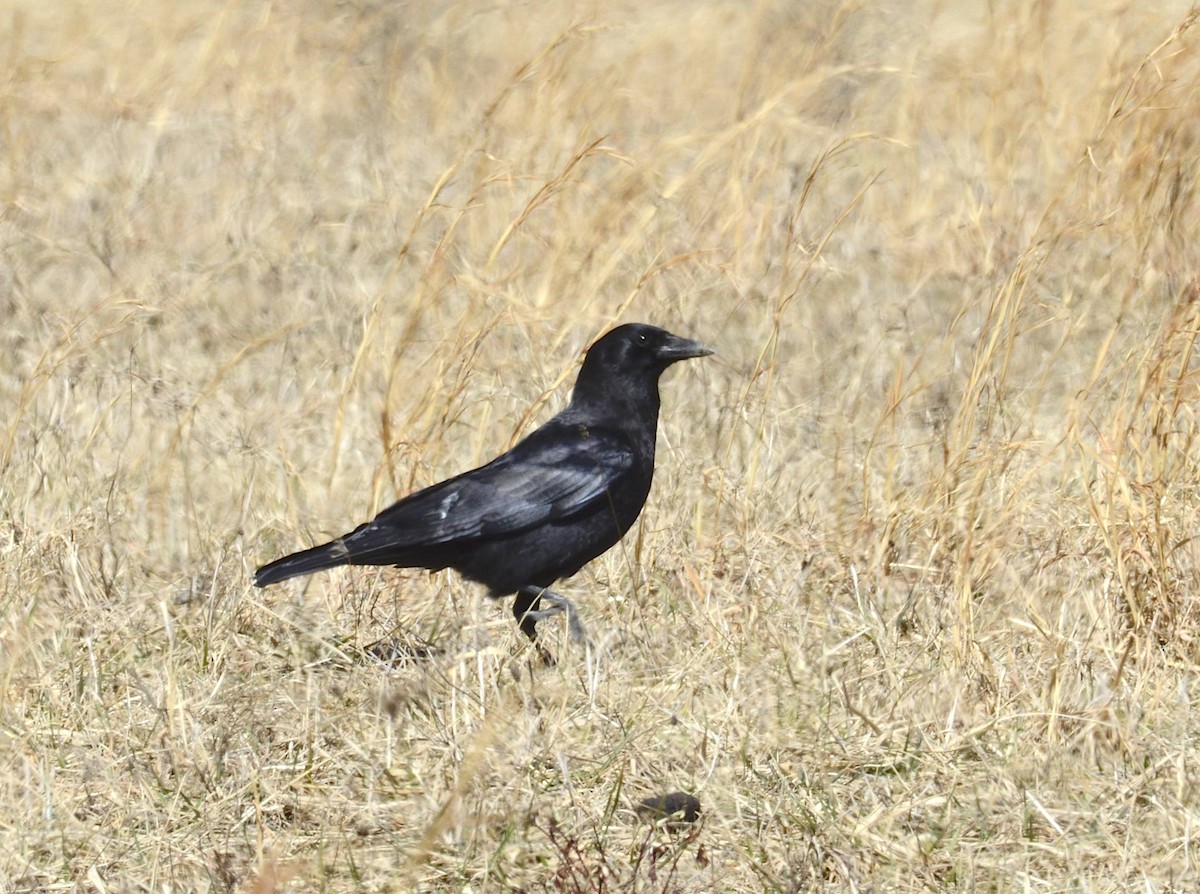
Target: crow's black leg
x: 528, y: 611
x: 525, y: 610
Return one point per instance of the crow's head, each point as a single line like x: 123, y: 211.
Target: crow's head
x: 638, y: 349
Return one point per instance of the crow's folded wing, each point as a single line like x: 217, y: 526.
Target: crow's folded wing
x: 553, y: 475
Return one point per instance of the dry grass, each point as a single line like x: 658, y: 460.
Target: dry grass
x: 912, y: 606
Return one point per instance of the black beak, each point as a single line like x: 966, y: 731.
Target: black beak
x: 676, y: 348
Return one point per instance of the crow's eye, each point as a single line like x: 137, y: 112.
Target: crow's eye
x: 642, y: 338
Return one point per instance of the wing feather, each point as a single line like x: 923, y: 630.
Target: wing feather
x: 553, y: 475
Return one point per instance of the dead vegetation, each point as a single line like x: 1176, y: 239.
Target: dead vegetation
x: 912, y: 604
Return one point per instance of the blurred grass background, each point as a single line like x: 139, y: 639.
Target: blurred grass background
x: 911, y: 606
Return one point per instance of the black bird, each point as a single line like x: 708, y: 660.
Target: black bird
x: 541, y: 511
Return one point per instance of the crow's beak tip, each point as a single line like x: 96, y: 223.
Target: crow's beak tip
x: 684, y: 349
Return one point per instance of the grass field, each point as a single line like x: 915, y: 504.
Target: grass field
x: 913, y: 604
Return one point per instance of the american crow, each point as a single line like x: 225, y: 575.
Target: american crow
x: 541, y: 511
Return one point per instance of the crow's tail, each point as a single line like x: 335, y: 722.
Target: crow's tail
x: 329, y: 555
